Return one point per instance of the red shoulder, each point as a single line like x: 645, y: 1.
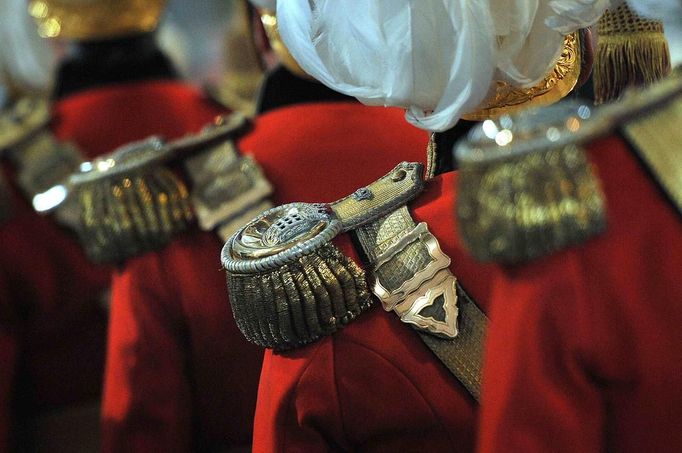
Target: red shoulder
x: 101, y: 119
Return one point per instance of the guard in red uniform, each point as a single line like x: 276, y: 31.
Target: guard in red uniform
x: 340, y: 374
x: 584, y: 348
x: 180, y: 376
x: 112, y: 87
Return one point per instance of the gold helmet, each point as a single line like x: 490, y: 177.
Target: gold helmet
x: 559, y: 82
x: 506, y: 99
x: 95, y: 19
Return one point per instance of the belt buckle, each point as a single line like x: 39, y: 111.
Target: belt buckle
x: 432, y: 284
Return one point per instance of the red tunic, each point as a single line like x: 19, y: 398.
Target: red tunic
x: 374, y: 385
x: 585, y: 347
x: 180, y: 373
x: 52, y: 322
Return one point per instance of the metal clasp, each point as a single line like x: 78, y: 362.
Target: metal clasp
x: 434, y: 283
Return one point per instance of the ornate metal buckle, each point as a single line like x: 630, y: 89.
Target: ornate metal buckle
x: 428, y: 285
x: 442, y: 288
x: 440, y: 261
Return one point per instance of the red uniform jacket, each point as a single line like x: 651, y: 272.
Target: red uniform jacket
x: 52, y: 321
x: 180, y: 374
x: 585, y: 346
x: 374, y: 386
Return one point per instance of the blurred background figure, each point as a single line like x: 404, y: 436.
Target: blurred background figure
x: 176, y: 357
x: 585, y: 348
x: 26, y: 63
x: 367, y: 378
x: 112, y: 84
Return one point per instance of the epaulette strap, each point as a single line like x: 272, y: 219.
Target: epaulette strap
x: 657, y: 138
x: 21, y: 120
x: 226, y: 187
x: 526, y: 187
x: 129, y: 201
x: 42, y: 162
x: 290, y: 286
x: 411, y: 277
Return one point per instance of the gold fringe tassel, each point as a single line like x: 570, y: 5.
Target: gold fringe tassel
x: 631, y: 51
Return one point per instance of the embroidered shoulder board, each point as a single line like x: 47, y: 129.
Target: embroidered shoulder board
x: 38, y: 158
x: 526, y: 187
x: 657, y: 138
x: 130, y: 201
x: 21, y: 120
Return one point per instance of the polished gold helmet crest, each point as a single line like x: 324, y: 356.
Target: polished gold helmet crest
x: 269, y: 20
x: 95, y: 19
x: 558, y: 83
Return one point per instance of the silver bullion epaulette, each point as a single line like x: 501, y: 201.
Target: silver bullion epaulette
x: 136, y: 200
x: 39, y: 159
x: 526, y: 187
x: 289, y: 285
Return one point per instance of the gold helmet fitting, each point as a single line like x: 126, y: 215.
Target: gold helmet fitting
x: 95, y: 19
x: 507, y: 99
x: 269, y: 20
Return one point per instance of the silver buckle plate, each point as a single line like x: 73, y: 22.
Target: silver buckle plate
x: 429, y: 285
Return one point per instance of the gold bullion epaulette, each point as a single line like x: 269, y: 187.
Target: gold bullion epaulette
x: 526, y: 187
x: 289, y: 285
x: 38, y: 158
x: 139, y: 197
